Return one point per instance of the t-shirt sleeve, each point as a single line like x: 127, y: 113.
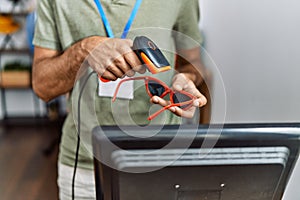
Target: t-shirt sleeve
x: 187, y: 33
x: 46, y: 34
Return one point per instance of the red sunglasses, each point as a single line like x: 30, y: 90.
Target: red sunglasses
x: 155, y: 87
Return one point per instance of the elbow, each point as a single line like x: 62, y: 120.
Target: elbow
x: 39, y: 91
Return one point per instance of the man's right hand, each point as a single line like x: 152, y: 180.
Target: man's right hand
x: 54, y: 72
x: 112, y: 58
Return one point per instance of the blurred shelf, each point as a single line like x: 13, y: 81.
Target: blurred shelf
x: 21, y: 14
x: 15, y: 79
x: 8, y: 51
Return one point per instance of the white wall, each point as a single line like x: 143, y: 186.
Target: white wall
x: 256, y: 46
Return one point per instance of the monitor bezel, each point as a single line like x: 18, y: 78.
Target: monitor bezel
x: 232, y: 135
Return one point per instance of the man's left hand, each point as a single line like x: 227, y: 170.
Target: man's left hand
x: 181, y: 82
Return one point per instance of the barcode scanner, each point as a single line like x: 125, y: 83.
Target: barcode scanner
x: 150, y: 55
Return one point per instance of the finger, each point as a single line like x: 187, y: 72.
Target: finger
x: 140, y: 69
x: 102, y: 72
x: 199, y: 102
x: 179, y: 82
x: 115, y: 71
x: 134, y: 62
x: 192, y: 89
x: 160, y: 101
x: 182, y: 83
x: 122, y: 65
x: 183, y: 113
x: 130, y: 73
x: 123, y: 46
x: 108, y: 76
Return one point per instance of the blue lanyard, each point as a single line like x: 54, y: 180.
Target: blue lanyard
x: 128, y: 24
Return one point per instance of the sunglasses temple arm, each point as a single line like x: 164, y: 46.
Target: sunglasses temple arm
x: 116, y: 91
x: 122, y: 81
x: 167, y: 107
x: 160, y: 111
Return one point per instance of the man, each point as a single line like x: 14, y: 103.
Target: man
x: 70, y: 34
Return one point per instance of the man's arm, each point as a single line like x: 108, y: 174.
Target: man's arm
x: 189, y: 62
x: 54, y: 73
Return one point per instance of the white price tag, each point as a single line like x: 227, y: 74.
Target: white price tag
x: 107, y: 89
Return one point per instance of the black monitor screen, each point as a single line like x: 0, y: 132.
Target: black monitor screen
x: 228, y: 162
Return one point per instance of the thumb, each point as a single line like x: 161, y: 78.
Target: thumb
x: 179, y: 82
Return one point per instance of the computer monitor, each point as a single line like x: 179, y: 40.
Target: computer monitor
x: 213, y: 162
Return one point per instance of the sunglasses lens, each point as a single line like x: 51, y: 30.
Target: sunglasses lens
x: 181, y: 98
x: 155, y: 88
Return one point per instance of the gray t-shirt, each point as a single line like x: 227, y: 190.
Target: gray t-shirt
x: 61, y: 23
